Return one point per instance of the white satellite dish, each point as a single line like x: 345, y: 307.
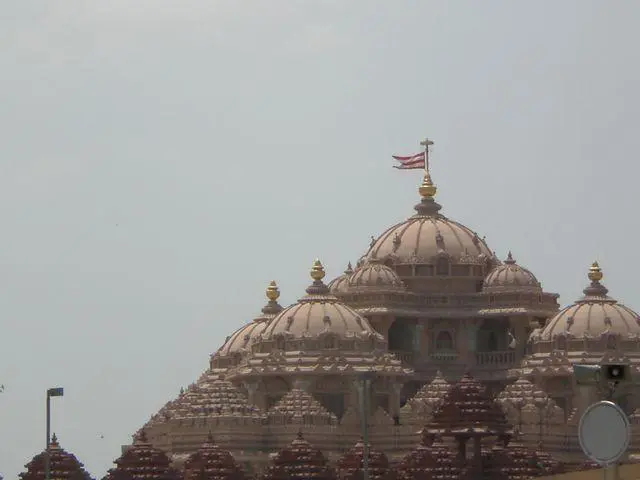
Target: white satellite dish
x: 604, y: 433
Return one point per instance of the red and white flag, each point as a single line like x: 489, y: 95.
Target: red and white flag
x: 409, y: 163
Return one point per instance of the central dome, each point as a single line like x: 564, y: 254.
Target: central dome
x: 428, y: 235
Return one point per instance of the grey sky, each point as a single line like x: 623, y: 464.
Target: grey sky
x: 163, y: 160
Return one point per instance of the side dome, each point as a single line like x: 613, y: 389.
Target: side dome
x: 341, y: 284
x: 319, y: 313
x: 375, y: 276
x: 509, y: 277
x: 439, y: 245
x: 242, y: 338
x: 593, y: 315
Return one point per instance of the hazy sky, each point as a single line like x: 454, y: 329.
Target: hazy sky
x: 163, y: 160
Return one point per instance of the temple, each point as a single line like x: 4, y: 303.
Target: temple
x: 458, y: 362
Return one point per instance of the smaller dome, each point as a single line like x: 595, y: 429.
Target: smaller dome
x: 592, y: 315
x: 341, y: 284
x: 375, y: 276
x: 509, y: 276
x: 319, y: 313
x: 243, y: 337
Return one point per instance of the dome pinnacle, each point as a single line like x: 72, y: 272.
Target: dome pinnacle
x: 427, y: 189
x: 595, y: 273
x: 272, y: 292
x: 317, y: 271
x: 510, y: 260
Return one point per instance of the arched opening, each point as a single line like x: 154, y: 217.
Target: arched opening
x: 493, y: 335
x: 401, y: 335
x: 276, y: 388
x: 444, y: 341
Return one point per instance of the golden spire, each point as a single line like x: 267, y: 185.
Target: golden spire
x: 427, y: 189
x: 595, y: 274
x: 317, y: 271
x: 272, y: 292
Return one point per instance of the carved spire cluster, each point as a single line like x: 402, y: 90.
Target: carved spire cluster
x: 431, y: 459
x: 211, y: 397
x: 431, y: 396
x: 300, y: 407
x: 62, y: 465
x: 351, y: 463
x: 468, y: 408
x: 142, y: 461
x: 511, y: 460
x: 210, y: 462
x: 300, y: 461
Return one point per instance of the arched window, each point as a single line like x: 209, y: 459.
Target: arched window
x: 280, y: 343
x: 442, y: 266
x: 444, y: 341
x: 611, y: 342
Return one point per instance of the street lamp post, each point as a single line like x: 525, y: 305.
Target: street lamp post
x: 51, y: 392
x: 364, y: 389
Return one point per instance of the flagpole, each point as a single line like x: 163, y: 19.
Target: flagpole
x: 426, y: 143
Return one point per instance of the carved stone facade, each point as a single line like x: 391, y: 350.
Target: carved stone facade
x: 426, y: 305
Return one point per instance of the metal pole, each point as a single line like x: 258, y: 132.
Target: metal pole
x: 365, y: 430
x: 47, y: 472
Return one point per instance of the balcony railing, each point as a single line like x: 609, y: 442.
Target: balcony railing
x: 404, y: 357
x: 443, y: 356
x: 507, y: 357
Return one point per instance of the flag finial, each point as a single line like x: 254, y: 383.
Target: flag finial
x: 427, y: 189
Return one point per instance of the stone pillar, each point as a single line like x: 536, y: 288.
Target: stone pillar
x: 252, y: 394
x: 417, y: 337
x: 470, y: 347
x: 394, y: 401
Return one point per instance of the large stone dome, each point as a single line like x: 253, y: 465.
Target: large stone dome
x: 593, y: 315
x: 319, y: 313
x: 427, y: 236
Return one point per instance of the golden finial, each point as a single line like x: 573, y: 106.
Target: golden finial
x: 272, y: 292
x: 427, y: 189
x: 317, y: 271
x: 595, y: 274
